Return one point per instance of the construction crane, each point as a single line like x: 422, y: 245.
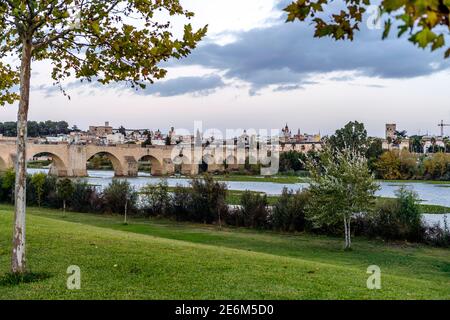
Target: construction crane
x: 442, y: 125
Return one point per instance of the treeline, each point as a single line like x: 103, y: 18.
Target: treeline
x: 204, y: 201
x: 404, y: 165
x: 36, y: 129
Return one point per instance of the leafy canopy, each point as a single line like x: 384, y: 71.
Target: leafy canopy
x: 428, y: 21
x: 341, y: 186
x: 106, y: 41
x: 352, y: 137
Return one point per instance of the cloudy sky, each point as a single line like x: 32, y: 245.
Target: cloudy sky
x: 255, y: 71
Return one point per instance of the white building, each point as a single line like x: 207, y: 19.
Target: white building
x: 115, y: 138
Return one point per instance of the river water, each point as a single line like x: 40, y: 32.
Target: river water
x: 435, y: 194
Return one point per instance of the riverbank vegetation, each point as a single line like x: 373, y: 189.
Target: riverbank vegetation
x: 207, y: 201
x: 404, y: 165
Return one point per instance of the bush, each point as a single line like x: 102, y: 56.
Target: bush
x: 119, y: 194
x: 397, y: 219
x: 290, y: 210
x: 85, y: 198
x: 41, y: 190
x: 7, y: 182
x: 156, y: 199
x: 437, y: 167
x: 207, y: 200
x: 180, y: 202
x: 438, y: 236
x: 253, y: 212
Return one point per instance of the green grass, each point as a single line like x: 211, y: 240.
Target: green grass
x: 151, y: 259
x: 433, y: 209
x: 424, y: 208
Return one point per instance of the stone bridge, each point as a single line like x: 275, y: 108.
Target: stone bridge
x: 71, y: 160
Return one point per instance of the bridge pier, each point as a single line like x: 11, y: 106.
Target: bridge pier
x: 189, y: 169
x: 76, y: 166
x: 215, y: 167
x: 168, y: 167
x: 131, y: 167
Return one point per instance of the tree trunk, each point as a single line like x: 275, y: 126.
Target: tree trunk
x: 220, y: 220
x: 349, y: 231
x: 126, y: 211
x: 346, y: 233
x: 64, y: 206
x: 18, y: 261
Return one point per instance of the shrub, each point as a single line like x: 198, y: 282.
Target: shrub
x: 156, y: 199
x: 253, y: 212
x: 207, y: 201
x: 437, y: 167
x: 397, y: 219
x: 438, y: 236
x: 8, y: 179
x: 85, y: 198
x: 41, y: 190
x: 180, y: 202
x: 396, y: 165
x: 118, y: 195
x: 290, y: 210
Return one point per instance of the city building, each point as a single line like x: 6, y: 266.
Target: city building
x: 394, y: 140
x: 101, y: 131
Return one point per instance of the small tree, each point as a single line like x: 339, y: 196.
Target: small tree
x: 65, y: 190
x: 157, y: 198
x: 38, y: 182
x: 120, y: 197
x: 341, y: 187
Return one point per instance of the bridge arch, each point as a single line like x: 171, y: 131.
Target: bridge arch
x: 156, y: 167
x: 117, y: 165
x: 58, y: 166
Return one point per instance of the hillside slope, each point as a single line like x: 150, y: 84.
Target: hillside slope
x: 127, y: 265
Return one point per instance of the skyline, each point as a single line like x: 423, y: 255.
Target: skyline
x: 234, y: 80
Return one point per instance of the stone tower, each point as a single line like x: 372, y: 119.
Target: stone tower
x: 390, y: 130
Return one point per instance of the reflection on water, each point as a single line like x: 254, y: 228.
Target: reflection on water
x: 429, y: 193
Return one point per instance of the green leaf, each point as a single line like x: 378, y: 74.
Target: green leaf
x: 438, y: 43
x: 387, y: 28
x: 424, y: 37
x: 96, y: 27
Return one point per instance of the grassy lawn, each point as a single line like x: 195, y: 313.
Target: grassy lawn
x: 425, y: 208
x: 152, y: 259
